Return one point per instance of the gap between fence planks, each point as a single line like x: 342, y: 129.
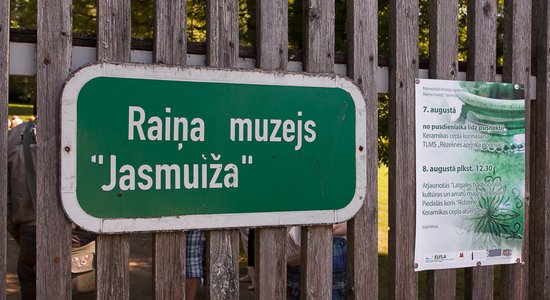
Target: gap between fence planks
x: 113, y: 251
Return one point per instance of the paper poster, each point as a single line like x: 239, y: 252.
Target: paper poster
x: 470, y: 173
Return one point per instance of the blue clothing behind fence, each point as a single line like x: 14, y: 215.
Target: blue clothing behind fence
x: 339, y: 261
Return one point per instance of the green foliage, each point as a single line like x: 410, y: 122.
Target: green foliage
x: 84, y: 16
x: 383, y: 129
x: 143, y: 18
x: 22, y: 89
x: 23, y: 14
x: 196, y: 20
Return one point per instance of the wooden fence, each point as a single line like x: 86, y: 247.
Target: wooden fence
x: 526, y: 44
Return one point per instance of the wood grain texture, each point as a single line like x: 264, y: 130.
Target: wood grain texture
x: 482, y: 39
x: 316, y: 262
x: 54, y: 26
x: 539, y: 244
x: 318, y: 36
x: 170, y: 47
x: 316, y: 265
x: 222, y: 51
x: 113, y: 275
x: 441, y: 284
x: 113, y: 251
x: 272, y: 34
x: 270, y: 265
x: 170, y: 33
x: 362, y: 269
x: 222, y: 261
x: 169, y: 265
x: 270, y: 243
x: 4, y: 71
x: 481, y: 67
x: 514, y: 282
x: 403, y: 71
x: 222, y: 33
x: 444, y: 39
x: 113, y: 30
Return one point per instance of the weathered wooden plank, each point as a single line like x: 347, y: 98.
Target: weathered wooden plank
x: 403, y: 71
x: 113, y: 30
x: 113, y: 251
x: 113, y: 275
x: 170, y: 47
x: 481, y: 67
x: 222, y: 33
x: 222, y: 246
x: 514, y: 282
x: 444, y: 39
x: 270, y: 243
x: 318, y: 36
x: 316, y: 265
x: 316, y: 262
x: 4, y: 70
x: 222, y: 261
x: 362, y: 269
x: 270, y: 266
x: 539, y: 243
x: 482, y: 40
x: 169, y: 264
x: 170, y: 33
x: 441, y: 284
x: 272, y: 34
x: 54, y: 27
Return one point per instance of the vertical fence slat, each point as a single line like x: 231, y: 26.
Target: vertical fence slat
x: 514, y: 282
x: 270, y: 243
x: 4, y: 63
x: 272, y: 31
x: 319, y: 36
x: 222, y: 51
x: 222, y: 255
x: 441, y: 284
x: 403, y: 71
x: 481, y: 67
x: 316, y: 266
x: 270, y: 265
x: 363, y: 229
x: 169, y: 264
x: 113, y: 251
x: 54, y: 39
x: 222, y: 33
x: 539, y: 271
x: 170, y: 47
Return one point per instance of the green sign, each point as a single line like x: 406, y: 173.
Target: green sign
x: 148, y: 148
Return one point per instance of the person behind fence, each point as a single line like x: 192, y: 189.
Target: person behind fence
x: 22, y: 206
x: 194, y: 262
x: 339, y: 261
